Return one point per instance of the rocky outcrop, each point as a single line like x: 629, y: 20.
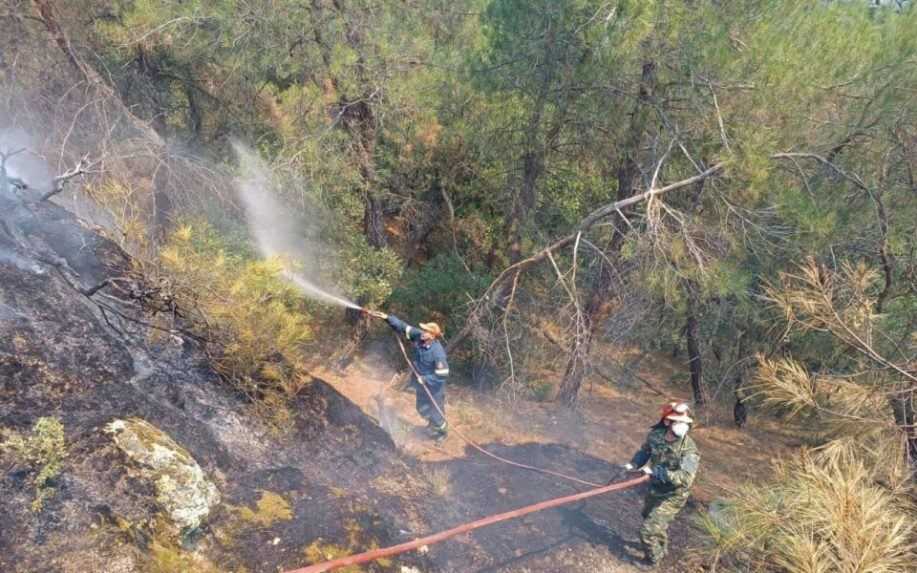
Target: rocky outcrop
x: 182, y: 489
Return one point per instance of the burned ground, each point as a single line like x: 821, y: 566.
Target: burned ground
x: 337, y: 483
x: 61, y: 355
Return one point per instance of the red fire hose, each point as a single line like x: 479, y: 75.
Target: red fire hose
x: 449, y: 533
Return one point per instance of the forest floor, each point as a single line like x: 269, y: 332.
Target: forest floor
x: 614, y: 413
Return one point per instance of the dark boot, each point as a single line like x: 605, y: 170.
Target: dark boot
x: 646, y: 564
x: 439, y: 433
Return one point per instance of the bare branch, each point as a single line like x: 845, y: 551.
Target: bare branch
x: 719, y: 119
x: 824, y: 161
x: 587, y: 223
x: 57, y: 185
x: 4, y: 157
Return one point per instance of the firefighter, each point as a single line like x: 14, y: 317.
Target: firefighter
x: 669, y: 456
x: 430, y: 364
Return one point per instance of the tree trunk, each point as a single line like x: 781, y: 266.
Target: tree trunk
x: 524, y: 200
x: 357, y: 118
x: 598, y: 307
x: 692, y: 341
x: 905, y: 417
x: 739, y: 410
x: 884, y: 256
x: 162, y: 201
x: 424, y: 219
x: 597, y: 310
x: 373, y: 221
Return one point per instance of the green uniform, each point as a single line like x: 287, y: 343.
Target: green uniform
x: 674, y: 467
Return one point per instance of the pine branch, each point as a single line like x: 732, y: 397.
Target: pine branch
x: 488, y: 299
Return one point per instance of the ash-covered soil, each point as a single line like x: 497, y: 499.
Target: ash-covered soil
x: 89, y: 359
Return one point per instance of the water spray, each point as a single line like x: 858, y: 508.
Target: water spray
x: 311, y: 290
x: 277, y: 233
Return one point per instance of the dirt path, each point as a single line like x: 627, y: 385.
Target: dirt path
x: 592, y: 442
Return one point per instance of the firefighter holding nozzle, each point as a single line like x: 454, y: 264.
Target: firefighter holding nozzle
x: 430, y: 369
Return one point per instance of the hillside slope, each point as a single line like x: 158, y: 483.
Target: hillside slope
x: 90, y: 360
x: 350, y: 476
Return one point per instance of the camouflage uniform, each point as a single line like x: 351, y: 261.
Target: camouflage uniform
x: 674, y: 467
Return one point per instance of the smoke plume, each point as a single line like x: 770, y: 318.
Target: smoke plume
x: 25, y: 166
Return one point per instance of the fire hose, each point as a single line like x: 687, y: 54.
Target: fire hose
x: 479, y: 448
x: 376, y: 554
x: 465, y: 528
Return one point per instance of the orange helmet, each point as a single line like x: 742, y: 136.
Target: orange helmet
x: 676, y: 412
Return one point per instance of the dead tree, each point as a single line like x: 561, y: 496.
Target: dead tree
x: 487, y: 300
x: 739, y: 409
x: 59, y: 182
x: 7, y: 183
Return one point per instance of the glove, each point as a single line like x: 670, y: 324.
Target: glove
x: 660, y: 474
x: 628, y: 467
x: 647, y: 470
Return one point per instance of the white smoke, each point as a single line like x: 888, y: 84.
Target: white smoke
x: 278, y: 232
x: 25, y: 165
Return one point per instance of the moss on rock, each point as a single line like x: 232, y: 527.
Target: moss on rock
x: 182, y: 488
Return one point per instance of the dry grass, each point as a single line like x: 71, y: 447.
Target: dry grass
x: 357, y: 541
x: 270, y: 508
x: 164, y: 553
x: 43, y: 450
x: 439, y: 479
x: 169, y: 558
x: 823, y: 511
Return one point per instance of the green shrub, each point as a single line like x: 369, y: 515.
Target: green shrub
x: 44, y: 450
x: 441, y: 290
x: 254, y: 320
x: 371, y: 274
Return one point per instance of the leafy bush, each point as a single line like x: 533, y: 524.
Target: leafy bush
x: 254, y: 321
x: 370, y: 273
x: 44, y: 450
x: 441, y: 289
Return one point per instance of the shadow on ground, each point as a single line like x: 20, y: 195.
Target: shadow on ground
x: 599, y: 534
